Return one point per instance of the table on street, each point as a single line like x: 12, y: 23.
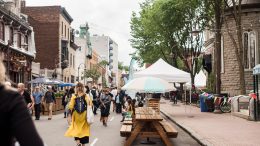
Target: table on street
x: 147, y: 124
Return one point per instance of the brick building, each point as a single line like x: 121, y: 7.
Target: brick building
x: 17, y: 48
x: 251, y: 42
x: 54, y: 41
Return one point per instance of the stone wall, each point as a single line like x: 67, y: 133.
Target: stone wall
x: 230, y: 77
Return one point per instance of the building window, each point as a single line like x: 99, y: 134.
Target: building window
x: 68, y: 34
x: 70, y: 59
x: 11, y: 34
x: 62, y: 28
x: 2, y: 31
x: 65, y: 31
x: 26, y: 42
x: 73, y: 61
x: 250, y: 51
x: 19, y: 42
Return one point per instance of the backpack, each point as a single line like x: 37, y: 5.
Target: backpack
x: 80, y: 104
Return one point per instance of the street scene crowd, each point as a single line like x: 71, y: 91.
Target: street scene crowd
x: 137, y: 73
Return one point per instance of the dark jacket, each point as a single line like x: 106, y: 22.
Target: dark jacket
x: 15, y: 121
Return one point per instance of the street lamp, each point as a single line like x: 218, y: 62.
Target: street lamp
x: 84, y: 71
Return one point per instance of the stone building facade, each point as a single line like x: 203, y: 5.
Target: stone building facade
x: 17, y: 47
x: 251, y: 48
x: 54, y: 42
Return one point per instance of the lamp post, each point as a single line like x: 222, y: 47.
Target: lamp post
x: 84, y: 70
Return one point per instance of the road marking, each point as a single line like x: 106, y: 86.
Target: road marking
x: 94, y: 142
x: 112, y: 119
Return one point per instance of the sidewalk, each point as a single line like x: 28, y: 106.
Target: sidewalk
x: 213, y: 129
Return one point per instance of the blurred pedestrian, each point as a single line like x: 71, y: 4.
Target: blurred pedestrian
x: 64, y: 102
x: 26, y: 96
x: 68, y: 99
x: 105, y: 103
x: 79, y: 128
x: 49, y: 100
x: 94, y: 93
x: 119, y: 101
x: 114, y: 93
x: 37, y: 95
x: 128, y: 110
x: 15, y: 121
x: 8, y: 84
x: 88, y: 92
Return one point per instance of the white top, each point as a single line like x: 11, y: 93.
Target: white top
x: 114, y: 92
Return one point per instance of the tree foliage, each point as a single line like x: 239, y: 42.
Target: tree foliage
x: 162, y: 29
x: 93, y: 73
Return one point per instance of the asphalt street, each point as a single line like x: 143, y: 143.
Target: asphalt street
x: 53, y: 131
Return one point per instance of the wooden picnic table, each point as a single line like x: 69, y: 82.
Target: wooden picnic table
x: 147, y: 124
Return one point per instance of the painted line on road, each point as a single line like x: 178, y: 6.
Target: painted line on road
x: 112, y: 119
x: 94, y: 142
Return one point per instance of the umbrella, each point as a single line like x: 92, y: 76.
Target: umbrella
x: 66, y: 84
x: 148, y: 85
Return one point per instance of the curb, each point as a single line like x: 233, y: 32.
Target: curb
x: 193, y: 134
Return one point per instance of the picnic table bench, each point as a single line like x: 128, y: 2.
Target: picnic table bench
x: 148, y: 124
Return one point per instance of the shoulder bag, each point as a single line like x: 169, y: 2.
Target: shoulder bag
x: 90, y: 115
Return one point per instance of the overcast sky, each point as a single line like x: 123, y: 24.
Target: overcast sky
x: 108, y: 17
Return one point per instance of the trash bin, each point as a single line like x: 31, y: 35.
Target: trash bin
x: 203, y: 107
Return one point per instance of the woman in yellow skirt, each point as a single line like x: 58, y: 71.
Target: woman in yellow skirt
x: 79, y: 128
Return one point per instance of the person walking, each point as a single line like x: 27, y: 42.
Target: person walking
x: 49, y: 100
x: 88, y: 92
x: 94, y: 93
x: 105, y: 103
x: 64, y: 102
x: 119, y: 101
x: 79, y: 128
x: 15, y: 121
x: 37, y: 95
x: 68, y: 99
x: 26, y: 96
x: 114, y: 92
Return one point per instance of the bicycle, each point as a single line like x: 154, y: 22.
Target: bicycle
x: 225, y: 105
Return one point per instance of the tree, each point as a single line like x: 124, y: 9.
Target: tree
x: 161, y: 30
x: 126, y: 68
x: 93, y: 73
x: 120, y: 65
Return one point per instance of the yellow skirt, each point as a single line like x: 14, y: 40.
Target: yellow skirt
x: 79, y: 126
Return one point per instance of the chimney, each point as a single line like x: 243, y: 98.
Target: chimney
x: 23, y: 3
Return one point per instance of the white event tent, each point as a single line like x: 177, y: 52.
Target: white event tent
x: 163, y: 70
x: 200, y: 80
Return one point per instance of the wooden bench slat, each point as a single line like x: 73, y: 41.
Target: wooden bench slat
x: 169, y: 129
x: 125, y: 130
x: 128, y: 123
x: 129, y: 128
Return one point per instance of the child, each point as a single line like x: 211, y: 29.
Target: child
x: 128, y: 110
